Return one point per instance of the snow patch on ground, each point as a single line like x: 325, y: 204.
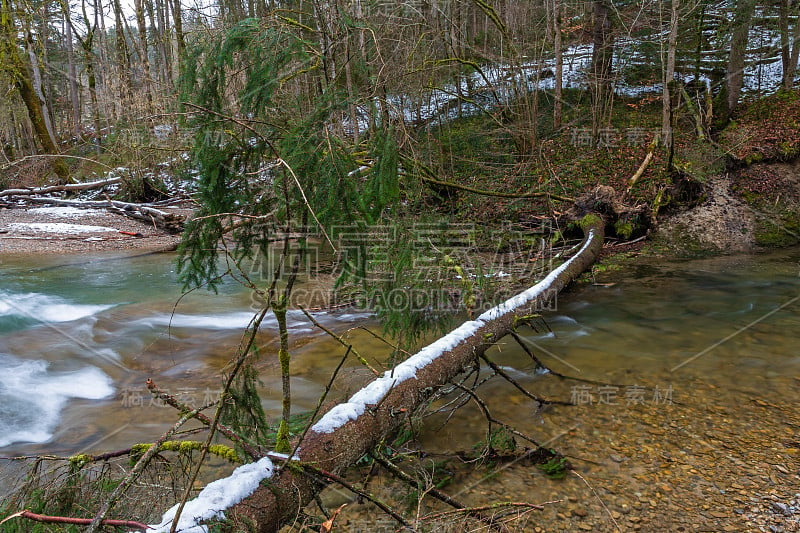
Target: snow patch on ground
x: 57, y: 227
x: 65, y: 212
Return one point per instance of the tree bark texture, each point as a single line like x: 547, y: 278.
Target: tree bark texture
x: 602, y: 62
x: 736, y: 60
x: 21, y: 77
x: 669, y: 78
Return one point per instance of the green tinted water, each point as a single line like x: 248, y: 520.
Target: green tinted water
x: 83, y: 334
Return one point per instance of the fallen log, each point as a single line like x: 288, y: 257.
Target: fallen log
x: 170, y: 222
x: 350, y: 430
x: 35, y: 191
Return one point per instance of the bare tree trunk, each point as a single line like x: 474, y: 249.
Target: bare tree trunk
x: 559, y: 67
x: 790, y: 44
x: 21, y: 78
x: 74, y: 95
x: 602, y: 56
x: 322, y: 10
x: 788, y: 76
x: 736, y: 60
x: 783, y: 28
x: 144, y: 51
x: 91, y: 79
x: 177, y: 23
x: 164, y: 41
x: 123, y: 58
x: 37, y: 83
x: 102, y: 71
x: 87, y: 48
x: 669, y: 81
x: 36, y: 114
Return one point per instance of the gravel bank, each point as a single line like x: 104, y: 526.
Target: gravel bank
x: 54, y: 230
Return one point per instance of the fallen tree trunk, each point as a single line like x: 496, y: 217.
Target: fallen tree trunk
x: 350, y: 430
x: 59, y: 188
x: 170, y: 222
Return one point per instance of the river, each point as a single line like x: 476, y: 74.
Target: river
x: 79, y: 336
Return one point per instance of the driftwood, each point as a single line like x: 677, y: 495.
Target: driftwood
x: 35, y: 191
x: 170, y: 222
x: 280, y: 499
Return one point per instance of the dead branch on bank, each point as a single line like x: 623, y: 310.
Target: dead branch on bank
x: 170, y: 222
x: 645, y: 163
x: 69, y: 187
x: 46, y: 519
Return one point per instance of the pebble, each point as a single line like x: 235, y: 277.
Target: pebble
x: 782, y: 508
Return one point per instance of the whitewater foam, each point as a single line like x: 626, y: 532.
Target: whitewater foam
x: 32, y: 396
x: 44, y: 308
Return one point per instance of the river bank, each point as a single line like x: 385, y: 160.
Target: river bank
x: 57, y: 230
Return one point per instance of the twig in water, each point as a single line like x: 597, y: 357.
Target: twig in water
x: 340, y: 340
x: 328, y: 388
x: 385, y: 508
x: 503, y: 374
x: 492, y: 420
x: 599, y: 499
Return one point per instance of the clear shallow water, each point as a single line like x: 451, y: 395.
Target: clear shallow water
x: 78, y: 341
x: 711, y: 331
x: 79, y: 336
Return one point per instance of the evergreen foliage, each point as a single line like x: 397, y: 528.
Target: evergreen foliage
x: 270, y: 161
x: 265, y: 152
